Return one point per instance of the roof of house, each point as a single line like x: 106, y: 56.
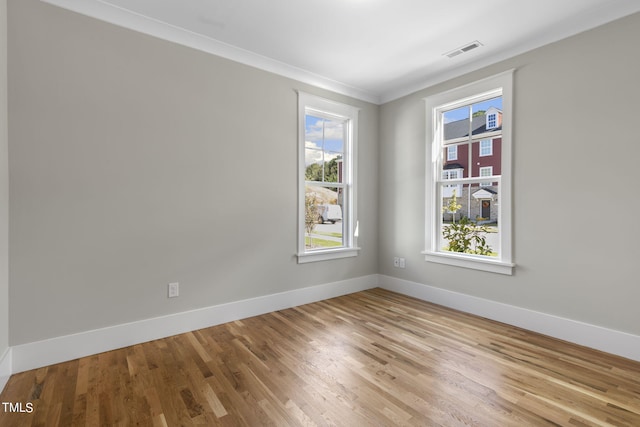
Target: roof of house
x: 453, y: 166
x: 460, y: 128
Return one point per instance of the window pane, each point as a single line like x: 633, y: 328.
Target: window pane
x: 470, y: 220
x: 452, y: 152
x: 486, y: 147
x: 448, y: 190
x: 314, y: 161
x: 487, y: 116
x: 460, y: 162
x: 486, y: 171
x: 456, y: 123
x: 333, y: 168
x: 323, y: 217
x: 492, y: 149
x: 324, y: 149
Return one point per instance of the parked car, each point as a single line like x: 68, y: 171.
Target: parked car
x: 329, y: 213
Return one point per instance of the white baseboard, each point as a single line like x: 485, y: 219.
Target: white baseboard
x: 608, y: 340
x: 55, y: 350
x: 37, y: 354
x: 5, y: 368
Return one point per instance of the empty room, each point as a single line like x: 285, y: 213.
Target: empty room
x: 302, y: 213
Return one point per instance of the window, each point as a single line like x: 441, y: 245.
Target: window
x: 327, y: 225
x: 452, y: 152
x: 447, y: 190
x: 486, y: 171
x: 492, y: 122
x: 470, y: 227
x: 486, y: 147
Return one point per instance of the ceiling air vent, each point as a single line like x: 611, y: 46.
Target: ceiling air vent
x: 463, y: 49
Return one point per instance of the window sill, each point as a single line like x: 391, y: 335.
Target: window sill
x: 327, y: 254
x: 469, y: 261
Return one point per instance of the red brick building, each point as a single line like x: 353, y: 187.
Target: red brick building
x: 478, y: 156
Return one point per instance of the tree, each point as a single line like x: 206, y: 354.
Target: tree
x: 310, y: 214
x: 453, y: 206
x: 464, y: 237
x: 467, y: 237
x: 331, y: 170
x: 327, y: 172
x: 313, y: 172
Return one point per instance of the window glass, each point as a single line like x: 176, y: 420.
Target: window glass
x: 486, y: 171
x: 452, y: 152
x: 486, y: 147
x: 470, y: 221
x: 324, y: 148
x: 323, y: 217
x: 457, y: 121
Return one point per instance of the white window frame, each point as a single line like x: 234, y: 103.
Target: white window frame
x: 308, y: 103
x: 490, y: 153
x: 488, y: 172
x: 498, y: 85
x: 452, y: 152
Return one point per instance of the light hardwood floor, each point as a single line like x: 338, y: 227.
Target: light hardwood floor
x: 374, y: 358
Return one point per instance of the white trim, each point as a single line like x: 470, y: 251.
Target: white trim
x: 349, y: 113
x: 143, y: 24
x: 5, y: 368
x: 498, y: 85
x: 60, y: 349
x: 324, y: 255
x: 470, y: 261
x: 595, y: 17
x: 34, y: 355
x: 124, y: 18
x: 609, y: 340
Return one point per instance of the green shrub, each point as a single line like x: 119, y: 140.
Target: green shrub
x: 467, y: 237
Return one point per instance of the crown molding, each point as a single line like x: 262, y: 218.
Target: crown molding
x: 143, y: 24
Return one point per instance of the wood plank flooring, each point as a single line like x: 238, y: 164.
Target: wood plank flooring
x: 374, y: 358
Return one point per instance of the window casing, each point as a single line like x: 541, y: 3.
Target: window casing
x: 486, y: 147
x: 476, y: 197
x: 327, y: 218
x: 452, y: 152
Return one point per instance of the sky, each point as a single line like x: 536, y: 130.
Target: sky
x: 463, y: 112
x: 332, y: 144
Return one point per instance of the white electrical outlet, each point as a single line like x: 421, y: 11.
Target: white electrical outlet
x: 396, y: 261
x: 174, y: 289
x: 402, y: 263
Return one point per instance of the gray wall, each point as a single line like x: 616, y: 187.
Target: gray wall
x: 136, y: 162
x: 575, y: 131
x: 4, y: 187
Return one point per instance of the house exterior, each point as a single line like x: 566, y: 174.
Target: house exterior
x: 475, y: 156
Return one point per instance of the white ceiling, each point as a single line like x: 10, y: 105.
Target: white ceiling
x: 375, y: 50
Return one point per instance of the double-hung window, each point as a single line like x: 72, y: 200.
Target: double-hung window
x: 486, y: 171
x: 486, y: 147
x: 452, y: 152
x: 327, y: 221
x: 468, y: 202
x: 492, y: 121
